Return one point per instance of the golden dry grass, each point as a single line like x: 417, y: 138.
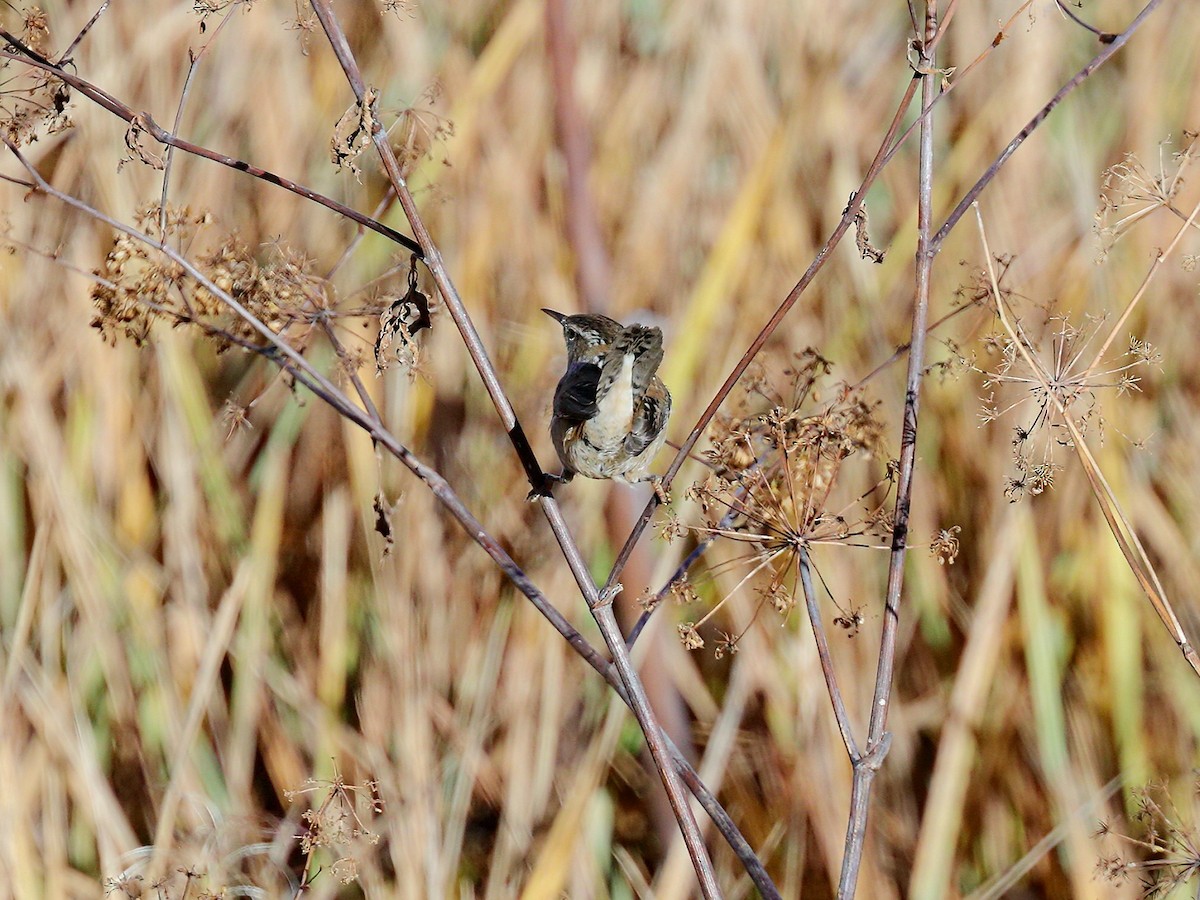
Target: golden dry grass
x: 195, y: 623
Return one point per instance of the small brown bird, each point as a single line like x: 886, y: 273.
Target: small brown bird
x: 610, y: 407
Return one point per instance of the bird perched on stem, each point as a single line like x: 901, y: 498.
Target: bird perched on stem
x: 610, y: 407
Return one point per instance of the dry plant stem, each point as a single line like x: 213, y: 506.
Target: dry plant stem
x: 1155, y: 267
x: 380, y: 208
x: 947, y: 17
x: 298, y: 367
x: 170, y: 155
x: 960, y: 73
x: 1066, y: 11
x: 678, y: 575
x: 66, y: 54
x: 1080, y: 77
x: 763, y: 336
x: 878, y: 740
x: 599, y: 604
x: 822, y: 642
x: 1120, y: 526
x: 193, y: 65
x: 146, y: 123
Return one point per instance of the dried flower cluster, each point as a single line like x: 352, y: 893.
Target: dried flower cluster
x: 776, y: 486
x: 336, y: 826
x: 32, y: 101
x: 137, y: 287
x: 419, y: 133
x: 1069, y: 375
x: 1168, y: 850
x: 238, y: 859
x: 184, y: 882
x: 1130, y: 192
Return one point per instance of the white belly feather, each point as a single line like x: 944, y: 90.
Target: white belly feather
x: 614, y: 413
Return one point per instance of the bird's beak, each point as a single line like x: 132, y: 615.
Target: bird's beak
x: 556, y: 316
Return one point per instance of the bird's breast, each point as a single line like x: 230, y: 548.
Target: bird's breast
x: 614, y: 409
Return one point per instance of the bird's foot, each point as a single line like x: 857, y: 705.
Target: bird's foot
x: 660, y: 489
x: 547, y: 487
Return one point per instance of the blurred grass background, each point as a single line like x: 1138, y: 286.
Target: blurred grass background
x: 195, y: 622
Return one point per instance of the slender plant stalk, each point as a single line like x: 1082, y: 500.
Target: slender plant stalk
x: 928, y: 246
x: 144, y: 122
x: 823, y: 654
x: 878, y: 740
x: 66, y: 54
x: 193, y: 66
x: 599, y: 603
x: 1079, y: 78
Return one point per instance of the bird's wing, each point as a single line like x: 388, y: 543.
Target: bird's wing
x: 648, y: 421
x: 645, y: 343
x: 575, y: 396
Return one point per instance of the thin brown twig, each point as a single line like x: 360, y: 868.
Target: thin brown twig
x: 599, y: 603
x: 960, y: 76
x: 822, y: 641
x: 903, y: 349
x: 145, y: 122
x: 947, y: 18
x: 66, y: 54
x: 1104, y: 36
x: 380, y: 208
x: 1079, y: 78
x: 193, y: 65
x: 878, y: 740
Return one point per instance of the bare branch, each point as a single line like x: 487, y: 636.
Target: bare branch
x: 599, y: 602
x: 1079, y: 78
x: 146, y: 123
x: 866, y: 765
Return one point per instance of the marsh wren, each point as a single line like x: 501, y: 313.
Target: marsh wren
x: 610, y: 407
